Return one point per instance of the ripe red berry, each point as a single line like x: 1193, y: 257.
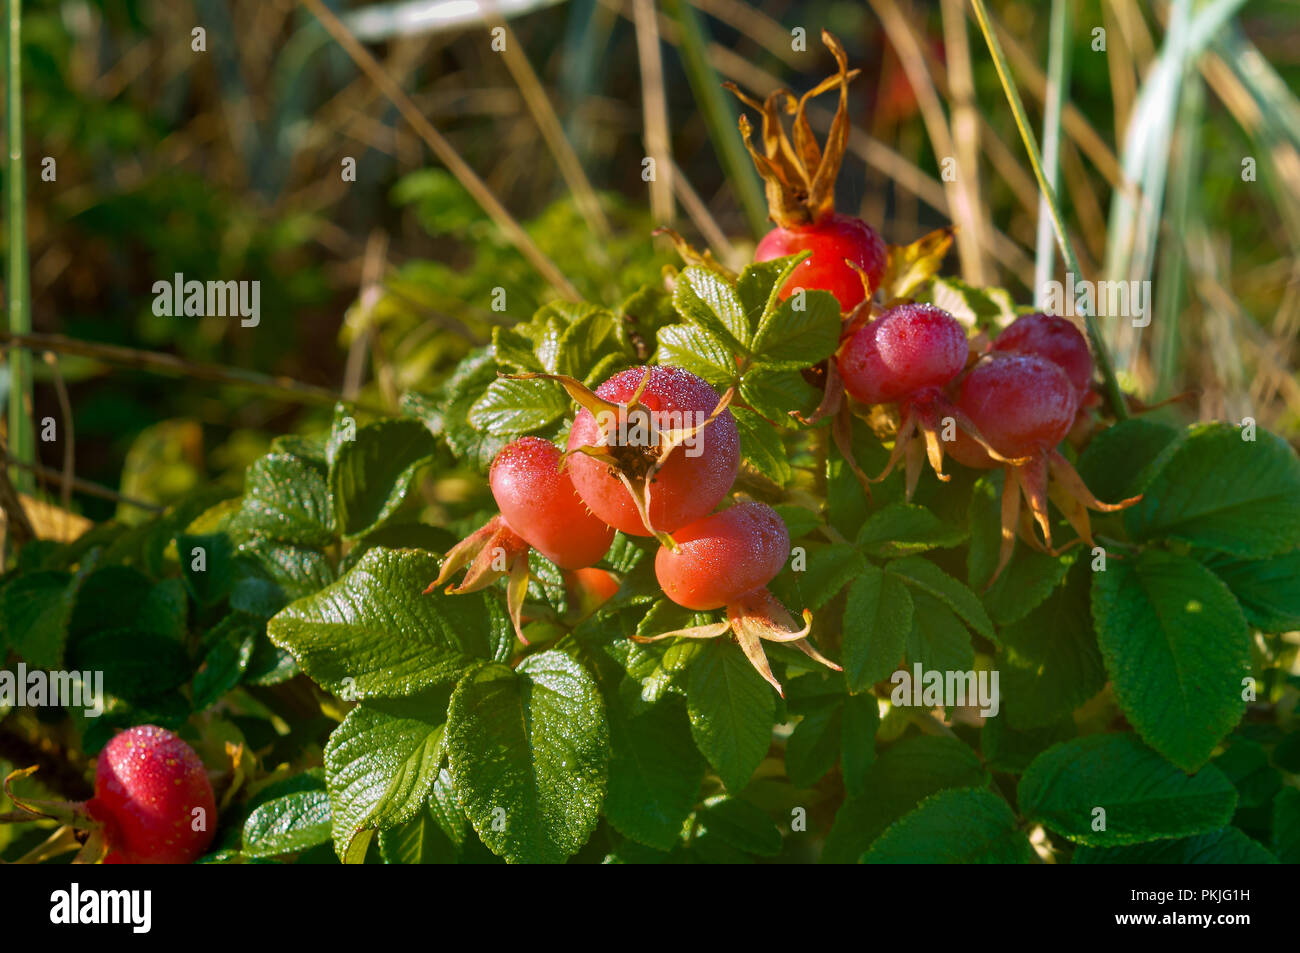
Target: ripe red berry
x: 1022, y: 404
x: 909, y: 350
x: 1056, y: 339
x: 539, y: 502
x: 151, y: 792
x: 832, y: 241
x: 724, y: 556
x: 690, y: 482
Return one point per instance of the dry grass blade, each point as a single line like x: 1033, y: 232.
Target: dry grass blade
x: 654, y: 109
x: 966, y: 126
x: 960, y: 198
x: 444, y: 151
x: 539, y: 105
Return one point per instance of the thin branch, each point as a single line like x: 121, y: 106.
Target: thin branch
x: 69, y: 435
x: 284, y: 388
x: 81, y: 486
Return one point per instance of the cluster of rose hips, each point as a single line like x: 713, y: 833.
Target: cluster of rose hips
x: 652, y: 452
x: 1009, y: 408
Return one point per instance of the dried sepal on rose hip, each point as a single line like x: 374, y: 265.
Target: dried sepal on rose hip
x: 1024, y: 405
x: 726, y: 561
x: 907, y: 356
x: 651, y: 449
x: 540, y: 509
x: 153, y: 803
x: 848, y: 258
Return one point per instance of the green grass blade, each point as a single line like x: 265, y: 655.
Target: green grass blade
x: 1114, y: 396
x: 22, y: 446
x: 1058, y: 81
x: 720, y: 115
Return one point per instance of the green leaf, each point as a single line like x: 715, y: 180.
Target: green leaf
x: 924, y: 575
x: 35, y: 609
x: 938, y: 641
x: 1177, y: 649
x: 233, y: 641
x: 903, y: 529
x: 760, y: 283
x: 799, y: 520
x: 1144, y: 797
x: 813, y: 747
x: 1268, y: 590
x: 137, y: 664
x: 959, y: 826
x: 1226, y: 846
x: 289, y: 824
x: 859, y: 723
x: 1006, y: 748
x: 380, y: 767
x: 514, y: 350
x: 904, y: 774
x: 815, y: 579
x: 731, y: 710
x: 760, y: 444
x: 1224, y: 493
x: 741, y: 825
x: 703, y: 297
x: 372, y: 473
x: 530, y: 756
x: 791, y: 339
x: 694, y: 349
x: 1122, y: 460
x: 1286, y: 825
x: 287, y: 498
x: 373, y: 633
x: 774, y: 394
x: 877, y: 621
x: 1050, y: 662
x: 447, y: 415
x: 982, y: 308
x: 1245, y: 763
x: 207, y: 566
x: 510, y: 407
x: 655, y: 774
x: 419, y: 841
x: 119, y: 597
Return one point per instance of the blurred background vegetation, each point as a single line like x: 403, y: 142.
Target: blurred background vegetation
x: 228, y: 164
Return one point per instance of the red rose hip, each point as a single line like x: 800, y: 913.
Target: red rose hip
x: 154, y: 799
x: 1054, y: 338
x: 907, y: 351
x: 840, y: 245
x: 538, y: 501
x: 680, y: 487
x: 723, y: 556
x: 1022, y: 403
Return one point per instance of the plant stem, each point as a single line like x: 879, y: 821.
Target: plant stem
x: 21, y: 440
x: 1058, y: 80
x: 1114, y: 396
x: 719, y: 115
